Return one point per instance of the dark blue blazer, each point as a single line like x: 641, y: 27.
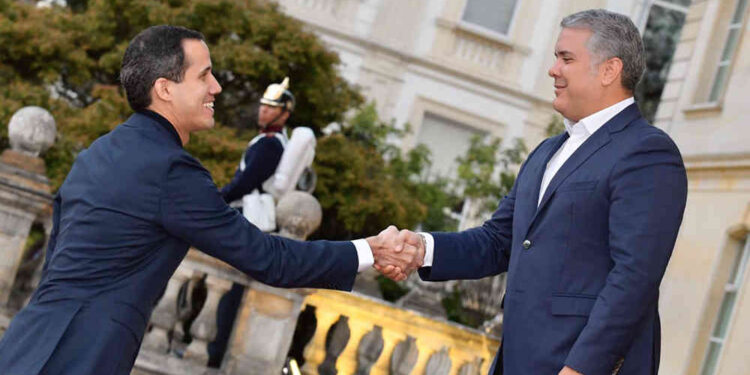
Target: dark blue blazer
x: 124, y: 218
x: 584, y: 267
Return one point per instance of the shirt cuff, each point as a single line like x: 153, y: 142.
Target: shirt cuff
x: 429, y: 249
x: 364, y: 254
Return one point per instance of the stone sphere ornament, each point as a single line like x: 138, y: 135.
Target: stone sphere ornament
x: 298, y: 214
x: 32, y: 130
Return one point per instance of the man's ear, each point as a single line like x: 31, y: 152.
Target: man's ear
x: 162, y: 90
x: 611, y: 71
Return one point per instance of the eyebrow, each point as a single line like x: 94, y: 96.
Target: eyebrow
x: 564, y: 53
x: 205, y: 70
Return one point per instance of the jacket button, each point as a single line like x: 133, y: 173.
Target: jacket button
x: 526, y: 244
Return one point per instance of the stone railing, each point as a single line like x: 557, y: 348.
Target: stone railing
x: 25, y: 201
x: 184, y: 320
x: 354, y: 334
x: 325, y: 332
x: 478, y: 52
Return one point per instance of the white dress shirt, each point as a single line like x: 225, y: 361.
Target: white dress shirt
x: 578, y: 133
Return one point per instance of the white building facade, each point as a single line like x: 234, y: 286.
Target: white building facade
x: 705, y: 299
x: 451, y: 68
x: 454, y: 68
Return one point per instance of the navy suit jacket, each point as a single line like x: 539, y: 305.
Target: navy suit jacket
x: 130, y: 207
x: 584, y: 266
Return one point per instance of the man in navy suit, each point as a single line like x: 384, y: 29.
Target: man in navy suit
x: 586, y: 232
x: 130, y: 207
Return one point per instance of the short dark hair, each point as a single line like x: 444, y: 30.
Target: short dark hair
x: 613, y: 35
x: 154, y: 53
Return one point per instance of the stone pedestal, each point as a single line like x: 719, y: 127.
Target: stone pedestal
x: 265, y: 324
x: 24, y: 189
x: 263, y: 330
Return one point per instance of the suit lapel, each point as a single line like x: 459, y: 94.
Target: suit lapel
x: 591, y: 145
x: 596, y: 141
x: 542, y: 167
x: 536, y: 173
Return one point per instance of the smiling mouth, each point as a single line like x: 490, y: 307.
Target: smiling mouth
x: 209, y: 105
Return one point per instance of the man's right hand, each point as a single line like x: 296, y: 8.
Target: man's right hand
x: 397, y: 253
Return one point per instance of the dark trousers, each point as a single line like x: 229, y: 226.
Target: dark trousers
x: 226, y: 313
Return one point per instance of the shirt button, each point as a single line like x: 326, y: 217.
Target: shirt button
x: 526, y: 244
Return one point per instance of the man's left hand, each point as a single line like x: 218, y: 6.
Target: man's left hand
x: 568, y: 371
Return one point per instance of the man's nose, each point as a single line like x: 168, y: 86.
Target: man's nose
x: 216, y: 89
x: 553, y: 70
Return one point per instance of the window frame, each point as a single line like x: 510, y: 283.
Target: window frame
x: 730, y: 286
x: 482, y: 30
x: 729, y: 62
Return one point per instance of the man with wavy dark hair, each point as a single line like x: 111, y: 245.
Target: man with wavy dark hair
x: 130, y: 207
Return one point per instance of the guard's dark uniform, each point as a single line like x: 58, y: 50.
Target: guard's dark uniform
x: 261, y: 160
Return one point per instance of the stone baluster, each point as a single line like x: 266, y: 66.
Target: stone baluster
x: 404, y: 357
x: 265, y: 323
x: 164, y: 316
x: 24, y: 189
x: 439, y: 363
x: 307, y: 324
x: 369, y: 350
x: 472, y: 367
x: 336, y: 340
x: 203, y: 328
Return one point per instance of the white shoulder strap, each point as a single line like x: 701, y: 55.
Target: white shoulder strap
x: 298, y: 154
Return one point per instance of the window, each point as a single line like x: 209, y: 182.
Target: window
x: 495, y: 15
x: 730, y: 46
x: 728, y: 303
x: 661, y: 23
x: 446, y: 140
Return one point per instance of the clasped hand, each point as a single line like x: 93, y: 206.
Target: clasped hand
x: 397, y: 253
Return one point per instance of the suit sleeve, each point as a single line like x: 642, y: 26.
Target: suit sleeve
x: 192, y: 209
x: 648, y: 191
x: 261, y: 160
x: 478, y: 252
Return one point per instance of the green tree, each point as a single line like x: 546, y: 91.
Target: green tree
x: 67, y: 59
x: 486, y: 173
x: 361, y: 191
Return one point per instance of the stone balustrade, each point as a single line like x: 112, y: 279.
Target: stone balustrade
x: 184, y: 320
x: 25, y: 200
x: 382, y: 338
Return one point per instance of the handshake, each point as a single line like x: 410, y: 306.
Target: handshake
x: 397, y: 253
